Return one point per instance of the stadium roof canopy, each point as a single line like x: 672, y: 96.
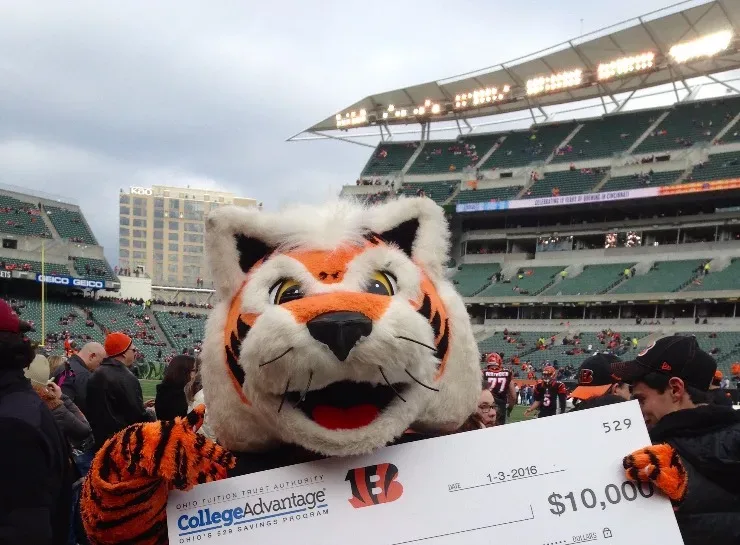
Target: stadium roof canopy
x: 567, y: 72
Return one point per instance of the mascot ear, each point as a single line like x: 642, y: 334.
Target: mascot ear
x: 236, y: 239
x: 418, y: 227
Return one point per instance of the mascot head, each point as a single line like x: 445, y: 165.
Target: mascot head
x: 336, y: 329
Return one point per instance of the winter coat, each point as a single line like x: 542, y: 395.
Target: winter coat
x: 36, y: 484
x: 170, y: 401
x: 68, y: 417
x: 74, y: 383
x: 114, y: 400
x: 707, y: 439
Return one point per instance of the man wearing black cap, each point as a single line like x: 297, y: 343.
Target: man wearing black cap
x: 595, y: 379
x: 695, y: 457
x: 35, y: 475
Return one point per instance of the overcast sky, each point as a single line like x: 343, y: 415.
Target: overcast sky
x: 101, y: 95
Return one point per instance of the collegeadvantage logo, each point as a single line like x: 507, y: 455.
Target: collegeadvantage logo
x: 373, y: 485
x: 261, y: 512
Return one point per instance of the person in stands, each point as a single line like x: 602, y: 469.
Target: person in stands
x: 36, y: 481
x: 717, y: 394
x: 695, y: 457
x: 72, y: 377
x: 114, y: 397
x: 595, y: 379
x: 170, y: 400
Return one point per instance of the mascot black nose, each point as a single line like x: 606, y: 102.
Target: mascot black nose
x: 340, y: 331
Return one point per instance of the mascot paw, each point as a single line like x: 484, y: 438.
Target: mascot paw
x: 124, y: 496
x: 661, y: 465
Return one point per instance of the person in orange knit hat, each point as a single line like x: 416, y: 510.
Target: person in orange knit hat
x: 114, y: 397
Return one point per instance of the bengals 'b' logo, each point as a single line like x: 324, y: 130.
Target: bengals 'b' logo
x: 586, y: 376
x: 373, y: 485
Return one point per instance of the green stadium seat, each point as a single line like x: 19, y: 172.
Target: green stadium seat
x: 487, y: 195
x: 122, y: 317
x: 452, y: 155
x: 569, y: 182
x: 439, y: 191
x: 21, y: 218
x: 721, y: 166
x: 55, y: 312
x: 70, y: 225
x: 533, y: 281
x: 470, y: 279
x: 645, y: 179
x: 594, y: 279
x: 726, y: 279
x: 54, y: 269
x: 388, y: 158
x: 688, y: 124
x: 607, y: 136
x: 521, y: 148
x: 177, y: 325
x: 93, y: 268
x: 664, y: 277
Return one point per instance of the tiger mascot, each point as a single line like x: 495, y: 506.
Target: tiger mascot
x: 336, y: 333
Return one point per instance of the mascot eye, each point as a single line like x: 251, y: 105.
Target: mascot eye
x: 285, y: 291
x: 382, y: 283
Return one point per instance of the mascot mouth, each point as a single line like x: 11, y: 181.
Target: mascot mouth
x: 345, y: 405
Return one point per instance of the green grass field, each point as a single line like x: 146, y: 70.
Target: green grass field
x: 148, y: 388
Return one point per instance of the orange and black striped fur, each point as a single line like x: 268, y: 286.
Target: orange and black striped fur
x: 124, y: 496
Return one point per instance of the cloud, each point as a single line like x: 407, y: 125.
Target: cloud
x: 98, y: 96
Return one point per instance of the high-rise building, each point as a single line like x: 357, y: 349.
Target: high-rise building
x: 161, y: 232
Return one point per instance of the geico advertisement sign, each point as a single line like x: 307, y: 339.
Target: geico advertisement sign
x: 67, y: 281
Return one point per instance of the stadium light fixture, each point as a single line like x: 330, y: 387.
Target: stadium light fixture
x: 481, y: 97
x: 706, y: 46
x: 626, y: 65
x: 554, y: 82
x: 351, y: 119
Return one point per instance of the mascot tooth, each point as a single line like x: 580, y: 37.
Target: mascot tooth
x: 336, y: 333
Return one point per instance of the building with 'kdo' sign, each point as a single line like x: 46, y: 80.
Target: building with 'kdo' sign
x: 162, y: 229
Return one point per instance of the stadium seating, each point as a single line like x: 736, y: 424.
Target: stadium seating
x: 689, y: 124
x: 593, y: 279
x: 123, y: 317
x: 55, y: 312
x: 452, y: 155
x: 96, y: 267
x: 487, y: 195
x: 389, y: 158
x: 606, y: 136
x: 665, y: 276
x: 439, y: 191
x: 70, y: 224
x: 568, y: 182
x: 470, y: 279
x: 645, y: 179
x: 522, y: 148
x: 176, y: 327
x: 533, y: 281
x: 21, y: 218
x: 7, y: 263
x: 496, y: 343
x: 720, y: 166
x: 726, y: 279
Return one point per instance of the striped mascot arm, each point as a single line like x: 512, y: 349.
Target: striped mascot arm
x: 124, y: 496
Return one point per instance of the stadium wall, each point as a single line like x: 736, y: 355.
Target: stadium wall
x: 131, y: 288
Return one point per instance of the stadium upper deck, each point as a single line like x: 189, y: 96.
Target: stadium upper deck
x: 39, y: 232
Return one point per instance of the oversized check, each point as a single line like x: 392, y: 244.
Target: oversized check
x: 549, y: 481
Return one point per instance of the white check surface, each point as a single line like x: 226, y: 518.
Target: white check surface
x: 552, y: 481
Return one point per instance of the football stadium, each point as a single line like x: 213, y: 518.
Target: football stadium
x: 593, y: 190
